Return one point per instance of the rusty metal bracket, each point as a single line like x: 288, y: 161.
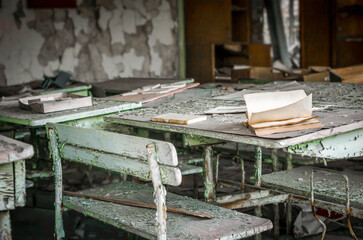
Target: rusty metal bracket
x: 348, y: 210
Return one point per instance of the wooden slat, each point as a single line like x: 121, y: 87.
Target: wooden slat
x: 170, y: 175
x: 225, y: 224
x: 6, y: 187
x: 134, y: 147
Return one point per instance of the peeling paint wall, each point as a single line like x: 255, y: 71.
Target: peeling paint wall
x: 99, y: 40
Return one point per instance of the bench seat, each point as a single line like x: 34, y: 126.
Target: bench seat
x: 327, y: 187
x: 226, y: 224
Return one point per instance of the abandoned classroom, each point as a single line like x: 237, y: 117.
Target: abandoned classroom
x: 181, y: 119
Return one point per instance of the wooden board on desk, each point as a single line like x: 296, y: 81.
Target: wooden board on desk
x: 122, y: 85
x: 176, y: 118
x: 144, y: 98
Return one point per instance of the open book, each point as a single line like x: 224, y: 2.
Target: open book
x: 275, y: 112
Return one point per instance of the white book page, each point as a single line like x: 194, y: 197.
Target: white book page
x: 276, y: 106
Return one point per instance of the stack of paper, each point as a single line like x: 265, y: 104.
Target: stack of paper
x: 275, y: 112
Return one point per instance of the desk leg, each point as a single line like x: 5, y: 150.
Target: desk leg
x: 209, y: 184
x: 34, y: 142
x: 258, y: 166
x: 258, y: 172
x: 275, y: 168
x: 288, y: 203
x: 275, y: 160
x: 5, y: 228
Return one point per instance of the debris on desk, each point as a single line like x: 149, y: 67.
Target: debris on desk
x: 140, y: 95
x: 176, y: 118
x: 59, y: 81
x: 227, y: 110
x: 54, y: 102
x: 276, y: 112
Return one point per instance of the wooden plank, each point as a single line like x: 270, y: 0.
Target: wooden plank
x: 7, y: 201
x: 121, y: 85
x: 12, y: 150
x: 145, y: 98
x: 126, y: 145
x: 177, y: 118
x: 122, y: 164
x: 20, y: 186
x: 225, y: 224
x: 353, y: 74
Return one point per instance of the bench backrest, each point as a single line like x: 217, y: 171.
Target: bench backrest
x: 117, y: 152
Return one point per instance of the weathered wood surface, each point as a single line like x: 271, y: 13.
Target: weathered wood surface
x: 225, y: 224
x: 328, y: 187
x: 126, y: 145
x: 5, y: 225
x: 145, y: 98
x: 20, y: 184
x: 10, y: 112
x: 101, y: 89
x: 12, y: 150
x: 118, y: 163
x: 7, y: 185
x: 338, y: 107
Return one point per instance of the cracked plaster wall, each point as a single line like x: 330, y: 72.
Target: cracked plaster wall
x: 100, y: 40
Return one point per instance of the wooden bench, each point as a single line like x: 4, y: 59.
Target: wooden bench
x: 148, y: 159
x: 12, y: 179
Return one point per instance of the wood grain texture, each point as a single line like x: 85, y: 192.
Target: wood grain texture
x: 122, y: 164
x: 121, y: 85
x: 176, y: 118
x: 12, y: 150
x: 145, y: 98
x: 7, y: 200
x: 315, y: 39
x: 225, y: 223
x: 20, y: 185
x: 114, y: 143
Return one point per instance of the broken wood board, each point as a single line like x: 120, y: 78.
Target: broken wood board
x: 178, y: 118
x: 54, y: 102
x: 353, y: 74
x: 12, y: 150
x: 145, y: 98
x: 252, y: 72
x: 225, y: 223
x: 227, y: 110
x: 317, y: 77
x: 122, y: 85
